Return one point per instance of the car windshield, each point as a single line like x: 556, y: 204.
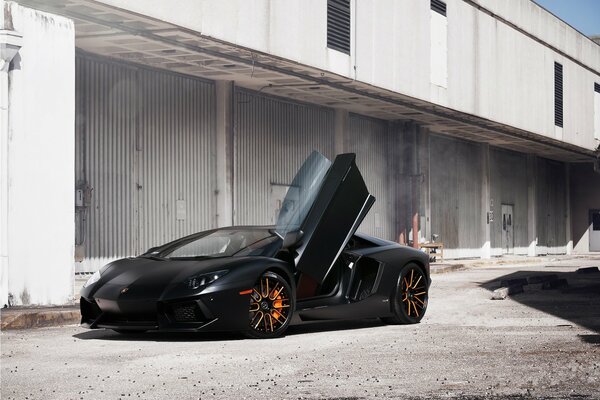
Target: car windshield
x: 302, y: 193
x: 224, y: 243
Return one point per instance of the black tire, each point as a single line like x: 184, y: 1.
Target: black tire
x: 409, y: 300
x: 129, y: 331
x: 271, y: 307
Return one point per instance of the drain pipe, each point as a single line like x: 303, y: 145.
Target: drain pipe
x: 10, y: 43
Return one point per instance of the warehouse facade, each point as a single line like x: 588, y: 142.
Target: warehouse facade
x: 472, y: 121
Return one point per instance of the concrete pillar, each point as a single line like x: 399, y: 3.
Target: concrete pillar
x: 424, y: 157
x: 532, y: 205
x: 10, y: 43
x: 341, y: 127
x: 412, y: 168
x: 41, y: 159
x: 224, y: 152
x: 568, y: 229
x: 486, y: 248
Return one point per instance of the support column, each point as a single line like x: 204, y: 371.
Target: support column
x: 10, y: 43
x: 341, y: 127
x: 568, y: 229
x: 412, y: 160
x: 486, y: 248
x: 424, y: 157
x: 224, y: 152
x: 532, y: 205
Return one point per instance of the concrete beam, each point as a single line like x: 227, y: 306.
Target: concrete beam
x: 224, y: 152
x: 486, y: 247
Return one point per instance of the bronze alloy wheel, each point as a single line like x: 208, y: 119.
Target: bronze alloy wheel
x: 414, y: 293
x: 271, y: 306
x: 409, y: 301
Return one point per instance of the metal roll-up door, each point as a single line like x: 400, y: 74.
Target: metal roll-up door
x: 271, y: 140
x: 374, y: 144
x: 144, y: 158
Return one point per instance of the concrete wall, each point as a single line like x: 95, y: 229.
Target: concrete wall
x: 484, y: 77
x: 584, y: 196
x: 41, y: 160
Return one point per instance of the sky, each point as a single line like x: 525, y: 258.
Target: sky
x: 583, y: 15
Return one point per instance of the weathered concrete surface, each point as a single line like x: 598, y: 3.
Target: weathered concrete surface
x: 37, y: 317
x: 541, y: 344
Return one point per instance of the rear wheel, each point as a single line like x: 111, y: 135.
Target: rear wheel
x: 271, y: 307
x: 409, y: 301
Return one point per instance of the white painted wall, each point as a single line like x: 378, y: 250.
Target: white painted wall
x: 494, y: 71
x: 41, y: 160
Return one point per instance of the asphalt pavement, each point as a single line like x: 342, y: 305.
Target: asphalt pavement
x: 536, y: 344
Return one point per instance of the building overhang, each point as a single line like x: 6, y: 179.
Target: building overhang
x: 135, y: 38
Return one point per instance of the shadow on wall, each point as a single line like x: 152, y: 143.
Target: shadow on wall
x: 585, y: 196
x: 571, y: 296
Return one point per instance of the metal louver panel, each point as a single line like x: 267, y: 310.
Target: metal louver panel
x: 338, y: 25
x: 438, y: 6
x: 272, y: 139
x: 558, y: 94
x: 597, y: 87
x: 145, y: 140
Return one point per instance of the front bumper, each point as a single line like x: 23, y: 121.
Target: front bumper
x: 217, y: 311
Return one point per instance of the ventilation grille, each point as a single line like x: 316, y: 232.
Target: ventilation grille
x: 438, y: 6
x: 187, y: 312
x: 558, y: 94
x: 597, y: 87
x: 338, y: 25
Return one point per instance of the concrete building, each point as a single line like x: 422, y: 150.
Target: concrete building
x: 129, y: 123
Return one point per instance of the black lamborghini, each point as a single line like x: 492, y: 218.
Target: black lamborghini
x: 254, y: 279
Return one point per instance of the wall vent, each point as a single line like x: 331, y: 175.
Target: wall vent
x: 338, y: 25
x: 438, y: 6
x: 558, y: 94
x: 596, y: 87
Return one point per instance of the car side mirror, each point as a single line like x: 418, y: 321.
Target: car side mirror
x: 293, y: 238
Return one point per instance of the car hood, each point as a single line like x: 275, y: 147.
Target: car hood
x: 145, y: 278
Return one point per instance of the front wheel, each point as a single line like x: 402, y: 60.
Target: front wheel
x: 271, y: 307
x: 409, y: 300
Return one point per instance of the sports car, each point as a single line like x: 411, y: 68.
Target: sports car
x: 312, y: 265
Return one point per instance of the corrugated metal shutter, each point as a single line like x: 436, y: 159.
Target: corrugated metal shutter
x: 455, y: 190
x: 372, y: 142
x: 176, y: 158
x: 272, y: 139
x: 145, y: 140
x: 107, y: 105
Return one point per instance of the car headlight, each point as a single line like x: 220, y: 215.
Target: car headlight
x: 93, y: 279
x: 197, y: 281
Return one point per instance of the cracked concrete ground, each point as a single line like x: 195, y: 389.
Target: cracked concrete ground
x: 538, y: 344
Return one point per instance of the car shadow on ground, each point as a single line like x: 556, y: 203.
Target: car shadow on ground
x: 298, y: 329
x: 572, y: 296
